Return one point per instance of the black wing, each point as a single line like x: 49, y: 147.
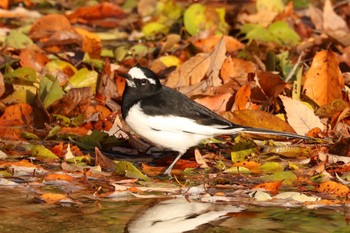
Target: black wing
x: 171, y: 102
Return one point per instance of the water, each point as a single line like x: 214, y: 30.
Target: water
x: 20, y: 213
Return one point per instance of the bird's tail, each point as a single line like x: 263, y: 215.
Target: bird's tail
x: 273, y: 132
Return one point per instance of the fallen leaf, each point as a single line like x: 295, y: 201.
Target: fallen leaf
x: 208, y: 44
x: 101, y: 160
x: 199, y: 159
x: 242, y: 97
x: 271, y: 187
x: 16, y: 115
x: 300, y: 117
x: 217, y: 103
x: 324, y: 81
x: 74, y: 103
x: 236, y: 69
x: 334, y: 25
x: 195, y: 69
x: 258, y: 119
x: 271, y: 84
x: 333, y: 188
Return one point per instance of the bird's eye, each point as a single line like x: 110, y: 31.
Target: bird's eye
x: 143, y: 81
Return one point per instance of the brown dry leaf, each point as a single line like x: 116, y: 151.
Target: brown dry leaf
x: 334, y: 25
x: 195, y: 69
x: 48, y: 25
x: 101, y: 160
x: 208, y: 44
x: 16, y: 115
x: 242, y: 97
x: 300, y: 117
x: 105, y: 14
x: 190, y: 72
x: 33, y: 57
x: 324, y: 81
x: 216, y: 103
x: 258, y: 119
x: 151, y: 171
x: 271, y: 84
x: 75, y: 102
x: 333, y: 188
x: 217, y: 58
x: 91, y: 43
x: 236, y: 69
x: 271, y: 187
x: 40, y: 114
x: 199, y: 159
x: 316, y: 17
x: 64, y: 37
x: 330, y: 109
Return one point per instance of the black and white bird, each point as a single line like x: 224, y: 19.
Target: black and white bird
x: 171, y: 120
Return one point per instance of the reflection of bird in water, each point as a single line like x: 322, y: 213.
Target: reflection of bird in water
x: 178, y: 215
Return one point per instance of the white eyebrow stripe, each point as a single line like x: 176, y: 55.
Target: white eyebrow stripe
x: 137, y: 73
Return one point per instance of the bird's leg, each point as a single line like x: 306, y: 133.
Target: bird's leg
x: 168, y: 170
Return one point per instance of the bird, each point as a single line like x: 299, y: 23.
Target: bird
x: 169, y: 119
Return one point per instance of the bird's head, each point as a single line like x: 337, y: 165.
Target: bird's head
x: 142, y: 79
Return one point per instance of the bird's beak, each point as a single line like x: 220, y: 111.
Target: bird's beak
x: 129, y: 80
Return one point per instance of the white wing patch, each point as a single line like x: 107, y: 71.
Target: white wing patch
x: 137, y: 73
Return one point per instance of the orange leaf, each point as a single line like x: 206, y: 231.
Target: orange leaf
x: 253, y: 167
x: 324, y: 81
x: 258, y: 119
x: 55, y: 177
x: 237, y: 69
x: 52, y: 198
x: 333, y: 188
x: 271, y: 84
x: 216, y: 103
x: 242, y: 97
x: 91, y: 43
x: 207, y: 45
x: 48, y: 25
x: 33, y: 57
x: 271, y: 187
x: 16, y: 115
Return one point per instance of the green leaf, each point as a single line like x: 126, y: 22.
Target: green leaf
x: 271, y: 167
x: 23, y: 76
x: 42, y: 152
x: 239, y: 156
x: 127, y: 169
x: 154, y: 28
x: 283, y: 33
x: 17, y: 40
x: 22, y: 94
x: 288, y: 177
x: 97, y: 63
x: 54, y: 92
x: 258, y: 32
x: 63, y: 120
x: 29, y: 136
x: 83, y: 78
x: 53, y: 132
x: 194, y: 18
